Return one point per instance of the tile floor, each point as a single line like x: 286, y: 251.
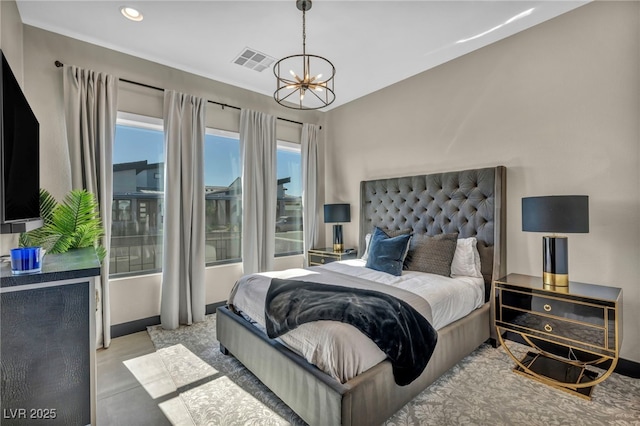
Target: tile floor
x: 122, y: 400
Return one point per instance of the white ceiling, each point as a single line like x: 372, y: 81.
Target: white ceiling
x: 372, y: 44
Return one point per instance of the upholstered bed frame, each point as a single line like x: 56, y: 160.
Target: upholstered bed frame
x: 470, y: 202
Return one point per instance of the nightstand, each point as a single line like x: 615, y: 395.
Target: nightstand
x: 584, y: 320
x: 322, y: 256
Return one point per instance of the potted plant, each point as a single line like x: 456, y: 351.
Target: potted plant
x: 74, y: 223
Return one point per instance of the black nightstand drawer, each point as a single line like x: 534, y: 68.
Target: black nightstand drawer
x: 322, y: 259
x: 575, y: 333
x: 554, y: 307
x: 323, y: 256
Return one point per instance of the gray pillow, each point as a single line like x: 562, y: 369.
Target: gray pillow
x: 431, y: 254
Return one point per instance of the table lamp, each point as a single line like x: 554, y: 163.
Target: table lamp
x: 337, y: 213
x: 556, y: 214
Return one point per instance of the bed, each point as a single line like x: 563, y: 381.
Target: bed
x: 470, y: 203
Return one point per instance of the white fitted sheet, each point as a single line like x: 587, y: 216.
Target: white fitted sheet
x: 450, y: 298
x: 339, y: 349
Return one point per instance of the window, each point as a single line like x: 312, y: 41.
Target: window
x: 289, y: 235
x: 223, y: 197
x: 138, y: 196
x: 138, y: 179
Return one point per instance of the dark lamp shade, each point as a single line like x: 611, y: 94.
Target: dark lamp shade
x: 556, y: 213
x: 337, y: 213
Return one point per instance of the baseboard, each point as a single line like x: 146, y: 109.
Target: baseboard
x: 131, y: 327
x: 211, y: 308
x: 119, y: 330
x: 628, y: 368
x: 624, y: 366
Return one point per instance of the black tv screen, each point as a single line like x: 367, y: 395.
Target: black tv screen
x: 20, y: 133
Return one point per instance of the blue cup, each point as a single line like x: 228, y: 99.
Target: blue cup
x: 26, y: 260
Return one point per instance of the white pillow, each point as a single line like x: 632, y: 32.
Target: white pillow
x: 466, y: 259
x: 367, y: 240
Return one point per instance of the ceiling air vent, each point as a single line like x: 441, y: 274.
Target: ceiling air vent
x: 251, y: 58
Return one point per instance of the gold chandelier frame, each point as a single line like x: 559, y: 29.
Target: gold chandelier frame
x: 313, y: 92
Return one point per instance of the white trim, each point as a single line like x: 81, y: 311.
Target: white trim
x: 222, y: 133
x: 45, y: 284
x: 289, y: 146
x: 139, y: 121
x: 93, y: 365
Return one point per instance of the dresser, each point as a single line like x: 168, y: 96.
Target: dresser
x: 326, y: 255
x: 47, y: 341
x: 581, y: 322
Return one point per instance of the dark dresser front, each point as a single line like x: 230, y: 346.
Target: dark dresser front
x: 47, y: 346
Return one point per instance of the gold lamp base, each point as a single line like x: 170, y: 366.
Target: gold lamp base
x: 338, y: 245
x: 555, y: 280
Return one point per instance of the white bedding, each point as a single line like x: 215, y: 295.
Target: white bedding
x: 340, y: 349
x: 450, y: 298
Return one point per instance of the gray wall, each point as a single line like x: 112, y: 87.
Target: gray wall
x: 558, y: 105
x: 11, y: 39
x: 135, y: 297
x: 42, y: 48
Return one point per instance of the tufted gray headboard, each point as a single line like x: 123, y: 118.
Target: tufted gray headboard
x: 469, y: 202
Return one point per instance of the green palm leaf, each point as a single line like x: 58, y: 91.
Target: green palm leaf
x: 40, y: 236
x: 75, y: 223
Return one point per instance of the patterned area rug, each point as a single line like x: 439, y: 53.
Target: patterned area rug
x: 215, y: 389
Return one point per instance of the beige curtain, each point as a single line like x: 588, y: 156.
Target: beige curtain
x: 90, y: 107
x: 309, y: 186
x: 183, y: 268
x: 258, y: 145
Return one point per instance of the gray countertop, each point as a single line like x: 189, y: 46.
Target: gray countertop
x: 77, y: 263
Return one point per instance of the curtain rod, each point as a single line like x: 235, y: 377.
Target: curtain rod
x: 60, y: 65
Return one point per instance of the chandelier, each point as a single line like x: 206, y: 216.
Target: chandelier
x: 299, y: 87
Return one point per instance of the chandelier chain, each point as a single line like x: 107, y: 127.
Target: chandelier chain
x: 304, y: 33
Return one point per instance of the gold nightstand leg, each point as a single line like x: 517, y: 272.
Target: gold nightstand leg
x: 585, y: 379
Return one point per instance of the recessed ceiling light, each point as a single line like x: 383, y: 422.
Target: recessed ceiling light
x: 131, y: 13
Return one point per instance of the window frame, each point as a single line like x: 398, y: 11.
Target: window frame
x: 157, y: 124
x: 292, y: 147
x: 147, y: 123
x: 229, y: 135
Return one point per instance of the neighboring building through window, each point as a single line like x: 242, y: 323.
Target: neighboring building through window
x: 289, y: 224
x: 223, y: 197
x: 138, y: 195
x: 223, y: 189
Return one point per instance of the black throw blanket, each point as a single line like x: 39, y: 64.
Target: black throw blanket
x: 401, y: 332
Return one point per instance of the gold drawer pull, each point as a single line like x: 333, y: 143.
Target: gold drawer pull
x: 547, y: 308
x: 322, y: 260
x: 548, y: 328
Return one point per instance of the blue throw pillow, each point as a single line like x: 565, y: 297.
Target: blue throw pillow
x: 387, y: 254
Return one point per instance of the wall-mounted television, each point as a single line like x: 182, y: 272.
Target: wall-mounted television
x: 19, y: 157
